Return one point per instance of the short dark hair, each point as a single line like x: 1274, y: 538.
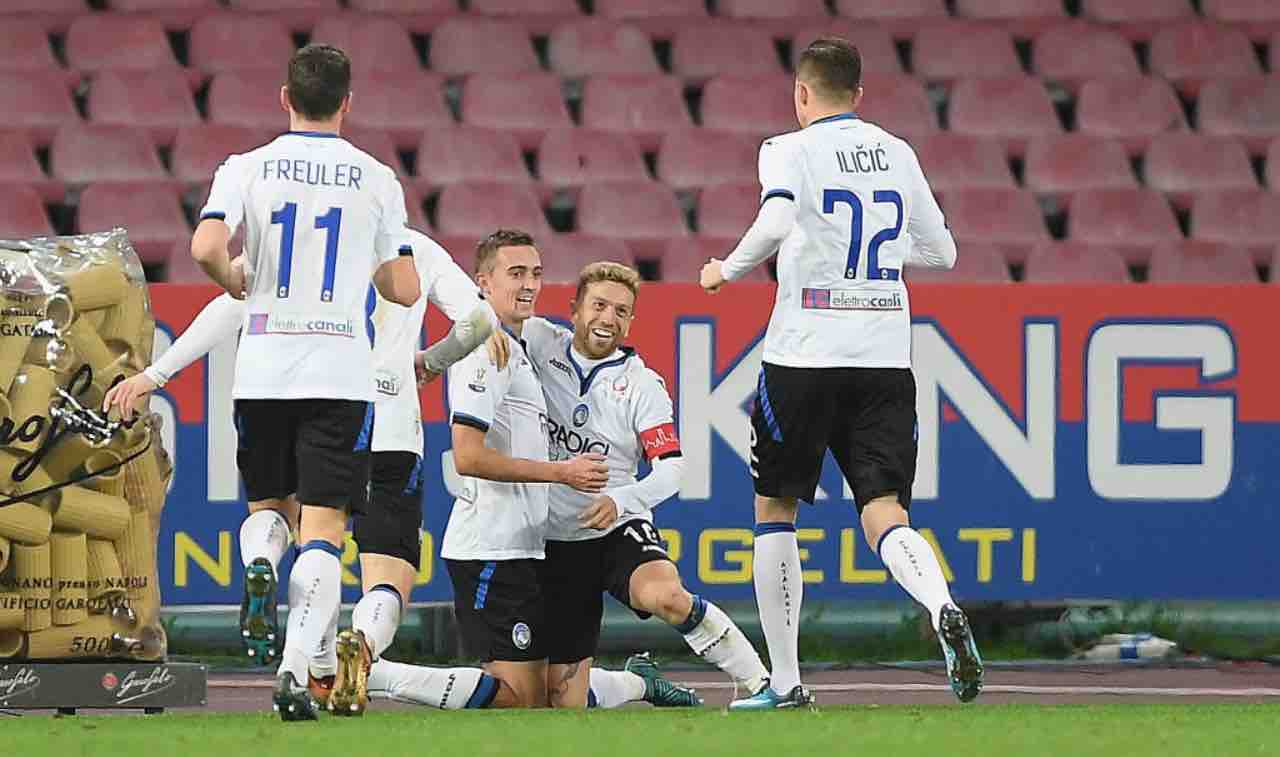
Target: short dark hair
x: 489, y: 246
x: 832, y: 66
x: 319, y: 80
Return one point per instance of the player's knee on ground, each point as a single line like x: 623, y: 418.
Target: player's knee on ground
x: 506, y: 698
x: 881, y: 514
x: 526, y: 682
x: 567, y: 685
x: 775, y: 509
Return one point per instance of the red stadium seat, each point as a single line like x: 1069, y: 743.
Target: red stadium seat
x: 642, y: 107
x: 1257, y: 18
x: 1131, y: 220
x: 1191, y: 261
x: 695, y: 158
x: 373, y: 43
x: 537, y: 16
x: 248, y: 98
x: 457, y: 155
x: 83, y: 154
x: 219, y: 42
x: 898, y: 103
x: 53, y: 15
x: 1191, y: 53
x: 24, y: 46
x: 198, y: 150
x: 148, y: 211
x: 682, y: 259
x: 525, y: 105
x: 1273, y: 165
x: 418, y: 16
x: 756, y: 106
x: 298, y: 15
x: 565, y: 255
x: 158, y: 100
x: 1182, y: 164
x: 377, y: 143
x: 1137, y: 19
x: 401, y: 103
x: 959, y: 49
x: 176, y: 15
x: 1066, y: 163
x: 597, y: 46
x: 107, y: 42
x: 902, y: 17
x: 1247, y: 217
x: 36, y: 102
x: 660, y: 18
x: 18, y: 166
x: 1024, y: 18
x: 571, y: 158
x: 955, y: 161
x: 1247, y: 108
x: 481, y: 46
x: 702, y: 51
x: 1008, y: 218
x: 644, y: 213
x: 181, y: 268
x: 415, y: 209
x: 1074, y: 263
x: 1013, y: 109
x: 1132, y: 110
x: 22, y: 214
x: 976, y: 262
x: 727, y: 210
x: 782, y: 18
x: 1070, y: 54
x: 475, y: 209
x: 874, y: 44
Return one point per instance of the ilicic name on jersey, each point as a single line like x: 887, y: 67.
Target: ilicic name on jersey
x: 863, y: 160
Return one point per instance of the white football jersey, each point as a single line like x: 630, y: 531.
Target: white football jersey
x: 320, y: 215
x: 862, y: 201
x: 616, y: 407
x: 493, y: 520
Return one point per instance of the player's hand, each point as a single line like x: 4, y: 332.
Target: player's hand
x: 712, y: 277
x: 421, y: 372
x: 586, y: 473
x: 499, y: 349
x: 237, y: 279
x: 602, y: 514
x: 125, y: 395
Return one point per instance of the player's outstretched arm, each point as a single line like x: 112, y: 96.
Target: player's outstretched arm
x: 465, y: 336
x: 471, y: 457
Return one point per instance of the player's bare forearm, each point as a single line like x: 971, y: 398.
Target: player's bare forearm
x: 472, y: 458
x: 209, y: 250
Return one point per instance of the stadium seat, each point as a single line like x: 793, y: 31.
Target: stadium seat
x: 475, y: 209
x: 22, y: 213
x: 879, y: 56
x: 1190, y: 53
x: 248, y: 98
x: 642, y: 107
x: 1273, y: 165
x: 1257, y: 18
x: 415, y: 209
x: 1131, y: 220
x: 727, y: 210
x: 1024, y: 18
x: 1192, y: 261
x: 565, y: 255
x: 956, y: 161
x: 1131, y: 109
x: 976, y: 262
x: 377, y: 143
x: 1012, y: 109
x: 682, y: 259
x: 1182, y: 164
x: 902, y: 17
x: 109, y: 42
x: 175, y: 15
x: 462, y: 46
x: 643, y: 213
x: 598, y: 46
x: 36, y: 102
x: 1072, y: 53
x: 218, y: 43
x: 781, y: 18
x: 463, y: 154
x: 53, y: 15
x: 572, y: 158
x: 961, y: 49
x: 898, y: 103
x: 695, y: 158
x: 525, y: 105
x: 18, y: 166
x: 1137, y: 19
x: 418, y: 16
x: 149, y: 211
x: 539, y: 17
x: 1247, y: 108
x: 755, y: 106
x: 1247, y: 217
x: 1007, y: 218
x: 374, y: 43
x: 24, y: 46
x: 158, y: 100
x: 702, y: 51
x: 401, y: 103
x: 181, y: 268
x: 298, y: 15
x: 660, y: 18
x: 1073, y: 263
x: 87, y: 153
x: 198, y: 150
x: 1066, y: 163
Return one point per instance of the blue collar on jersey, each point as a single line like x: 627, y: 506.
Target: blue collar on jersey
x: 850, y: 116
x: 321, y: 134
x: 584, y: 382
x: 515, y: 336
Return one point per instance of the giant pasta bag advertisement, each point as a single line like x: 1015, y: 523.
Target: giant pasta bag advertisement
x: 80, y: 491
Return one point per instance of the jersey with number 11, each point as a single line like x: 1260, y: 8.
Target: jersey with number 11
x: 320, y: 216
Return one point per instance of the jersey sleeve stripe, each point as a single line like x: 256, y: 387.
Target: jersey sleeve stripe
x: 470, y: 420
x: 783, y: 193
x: 406, y: 249
x: 216, y: 215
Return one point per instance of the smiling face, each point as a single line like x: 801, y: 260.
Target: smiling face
x: 602, y: 315
x: 511, y: 281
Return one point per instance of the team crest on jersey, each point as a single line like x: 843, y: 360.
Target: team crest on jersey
x: 621, y: 384
x: 521, y: 636
x: 580, y: 415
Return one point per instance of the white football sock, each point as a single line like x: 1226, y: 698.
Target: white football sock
x: 264, y: 534
x: 779, y: 590
x: 326, y: 662
x: 315, y: 589
x: 713, y: 636
x: 915, y: 567
x: 445, y: 688
x: 377, y: 615
x: 614, y: 688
